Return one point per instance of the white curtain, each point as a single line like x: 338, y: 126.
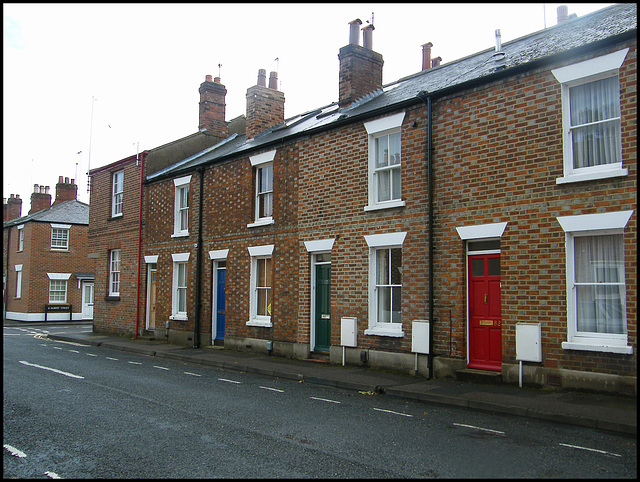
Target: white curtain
x: 599, y: 284
x: 599, y: 143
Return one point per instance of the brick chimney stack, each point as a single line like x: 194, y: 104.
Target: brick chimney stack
x: 12, y: 209
x: 40, y: 199
x: 265, y: 105
x: 212, y: 108
x: 65, y: 190
x: 360, y: 67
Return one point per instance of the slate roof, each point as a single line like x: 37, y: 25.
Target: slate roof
x: 67, y: 212
x: 530, y: 51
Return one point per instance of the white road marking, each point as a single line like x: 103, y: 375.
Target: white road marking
x: 66, y: 374
x: 109, y: 358
x: 15, y: 452
x: 135, y: 363
x: 52, y: 475
x: 272, y: 389
x: 74, y: 351
x: 57, y: 348
x: 479, y: 428
x: 160, y: 368
x: 324, y: 400
x: 192, y: 374
x: 228, y: 381
x: 591, y: 450
x: 91, y: 354
x: 394, y: 413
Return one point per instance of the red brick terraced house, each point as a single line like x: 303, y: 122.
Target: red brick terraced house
x: 48, y: 276
x: 478, y: 216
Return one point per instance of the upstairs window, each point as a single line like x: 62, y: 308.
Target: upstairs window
x: 181, y: 212
x: 263, y: 201
x: 591, y: 118
x: 117, y: 193
x: 60, y: 237
x: 385, y: 162
x: 21, y: 237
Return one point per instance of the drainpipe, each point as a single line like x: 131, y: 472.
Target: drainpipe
x: 426, y: 98
x: 196, y: 330
x: 135, y: 336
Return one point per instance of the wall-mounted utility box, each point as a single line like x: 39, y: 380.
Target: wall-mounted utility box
x: 348, y: 331
x: 420, y: 336
x: 528, y: 342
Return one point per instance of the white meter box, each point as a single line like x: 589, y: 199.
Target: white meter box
x: 348, y: 331
x: 420, y: 337
x: 528, y: 342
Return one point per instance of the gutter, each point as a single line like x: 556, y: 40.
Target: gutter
x: 196, y: 330
x: 426, y: 98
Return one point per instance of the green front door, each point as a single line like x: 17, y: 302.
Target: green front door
x: 323, y: 307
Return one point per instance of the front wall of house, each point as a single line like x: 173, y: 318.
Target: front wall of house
x: 115, y: 315
x: 498, y: 153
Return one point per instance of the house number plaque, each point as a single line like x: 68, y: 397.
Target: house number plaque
x: 486, y: 322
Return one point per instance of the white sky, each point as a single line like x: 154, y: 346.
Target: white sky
x: 144, y: 63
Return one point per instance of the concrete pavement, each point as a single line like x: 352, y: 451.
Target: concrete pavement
x: 609, y: 412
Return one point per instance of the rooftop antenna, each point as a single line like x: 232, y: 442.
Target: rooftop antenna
x: 93, y: 99
x: 371, y: 22
x: 137, y: 152
x: 219, y: 65
x: 544, y: 15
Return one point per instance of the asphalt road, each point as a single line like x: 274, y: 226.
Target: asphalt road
x: 74, y: 411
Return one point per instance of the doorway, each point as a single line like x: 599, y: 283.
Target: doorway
x: 321, y: 302
x: 87, y: 300
x: 219, y: 300
x: 485, y: 311
x: 151, y: 296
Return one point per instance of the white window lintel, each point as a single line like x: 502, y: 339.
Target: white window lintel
x: 266, y: 250
x: 262, y: 158
x: 587, y: 68
x: 386, y: 123
x: 388, y: 239
x: 60, y: 226
x: 219, y: 255
x: 59, y: 276
x: 181, y: 181
x: 151, y: 259
x: 594, y: 222
x: 319, y: 245
x: 482, y: 231
x: 180, y: 257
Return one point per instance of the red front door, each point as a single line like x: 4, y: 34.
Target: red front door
x: 485, y: 318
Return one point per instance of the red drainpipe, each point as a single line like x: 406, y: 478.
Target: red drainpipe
x: 141, y: 158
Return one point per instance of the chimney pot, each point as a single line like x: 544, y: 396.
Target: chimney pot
x: 273, y: 80
x: 435, y: 62
x: 216, y: 80
x: 367, y: 37
x: 60, y: 179
x: 563, y: 13
x: 354, y: 31
x: 262, y: 77
x: 207, y: 78
x: 426, y: 56
x: 46, y: 189
x: 36, y: 188
x: 66, y: 180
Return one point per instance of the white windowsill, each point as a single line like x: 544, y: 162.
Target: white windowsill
x: 264, y: 324
x: 387, y: 205
x: 379, y: 331
x: 179, y: 317
x: 119, y: 215
x: 592, y: 176
x: 181, y: 234
x: 261, y: 222
x: 625, y: 350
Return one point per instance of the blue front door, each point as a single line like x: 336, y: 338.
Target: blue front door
x: 220, y: 301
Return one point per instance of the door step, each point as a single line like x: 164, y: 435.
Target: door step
x: 474, y: 375
x: 318, y: 357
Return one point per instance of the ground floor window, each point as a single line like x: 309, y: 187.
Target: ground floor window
x: 261, y: 294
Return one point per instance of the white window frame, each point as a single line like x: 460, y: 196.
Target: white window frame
x: 179, y: 259
x: 60, y: 228
x: 58, y: 278
x: 376, y: 242
x: 21, y: 237
x: 258, y: 162
x: 180, y: 184
x: 18, y: 268
x: 258, y: 253
x: 591, y: 225
x: 117, y: 193
x: 375, y: 129
x: 114, y: 272
x: 577, y: 74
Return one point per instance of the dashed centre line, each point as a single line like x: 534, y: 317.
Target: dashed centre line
x: 479, y: 428
x: 325, y: 400
x: 192, y: 374
x: 392, y: 412
x: 228, y: 381
x: 109, y: 358
x: 14, y: 451
x: 272, y: 389
x: 135, y: 363
x: 591, y: 450
x: 54, y: 370
x: 160, y: 368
